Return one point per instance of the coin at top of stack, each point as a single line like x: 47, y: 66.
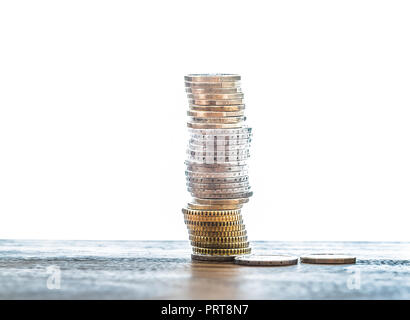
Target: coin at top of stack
x: 216, y: 166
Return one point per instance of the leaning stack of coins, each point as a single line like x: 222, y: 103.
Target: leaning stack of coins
x: 216, y: 166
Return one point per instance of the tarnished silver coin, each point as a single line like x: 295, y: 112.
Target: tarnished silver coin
x: 222, y: 84
x: 218, y: 180
x: 213, y: 258
x: 196, y: 107
x: 215, y: 96
x: 266, y: 260
x: 242, y: 130
x: 219, y: 175
x: 222, y: 196
x: 213, y: 90
x: 221, y: 186
x: 328, y: 258
x: 212, y: 77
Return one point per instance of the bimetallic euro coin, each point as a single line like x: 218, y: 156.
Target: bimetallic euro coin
x: 204, y: 195
x: 217, y: 180
x: 212, y: 125
x: 217, y: 120
x: 266, y: 260
x: 210, y: 114
x: 242, y: 130
x: 221, y: 201
x: 328, y: 258
x: 216, y: 175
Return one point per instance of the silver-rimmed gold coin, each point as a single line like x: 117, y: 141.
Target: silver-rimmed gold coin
x: 212, y: 213
x: 328, y: 258
x: 224, y: 84
x: 221, y: 252
x: 215, y: 96
x: 217, y: 120
x: 218, y: 239
x: 212, y: 77
x: 213, y: 90
x: 208, y: 258
x: 196, y: 107
x: 222, y: 245
x: 201, y: 233
x: 221, y: 201
x: 204, y: 195
x: 266, y: 260
x: 216, y: 102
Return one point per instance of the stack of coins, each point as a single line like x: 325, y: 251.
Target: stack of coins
x: 216, y: 166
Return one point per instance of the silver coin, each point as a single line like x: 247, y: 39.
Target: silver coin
x: 216, y: 175
x: 219, y: 143
x: 226, y: 120
x: 219, y: 191
x: 206, y: 147
x: 213, y: 90
x: 218, y: 180
x: 266, y: 260
x: 209, y: 258
x: 219, y: 153
x: 216, y: 132
x: 328, y: 258
x: 215, y: 96
x: 224, y: 84
x: 221, y: 137
x: 222, y: 196
x: 212, y: 77
x: 197, y: 167
x: 213, y: 186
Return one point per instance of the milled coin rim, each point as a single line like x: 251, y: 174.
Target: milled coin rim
x: 315, y: 258
x: 287, y: 260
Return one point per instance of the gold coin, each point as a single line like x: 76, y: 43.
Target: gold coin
x: 239, y: 227
x: 194, y: 217
x: 217, y: 234
x: 218, y: 239
x: 212, y: 213
x: 221, y: 201
x: 215, y: 96
x: 213, y: 125
x: 216, y: 224
x: 236, y: 245
x: 232, y: 102
x: 210, y: 114
x: 214, y: 207
x: 221, y: 252
x: 212, y: 77
x: 213, y: 90
x: 196, y: 107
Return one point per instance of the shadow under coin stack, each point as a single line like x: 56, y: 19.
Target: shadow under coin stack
x: 216, y: 167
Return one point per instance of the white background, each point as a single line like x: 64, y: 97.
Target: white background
x: 93, y: 112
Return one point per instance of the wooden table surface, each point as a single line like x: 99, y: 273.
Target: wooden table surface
x: 164, y: 270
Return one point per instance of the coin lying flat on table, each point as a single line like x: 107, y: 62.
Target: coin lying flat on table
x: 328, y: 258
x: 212, y: 258
x: 266, y: 260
